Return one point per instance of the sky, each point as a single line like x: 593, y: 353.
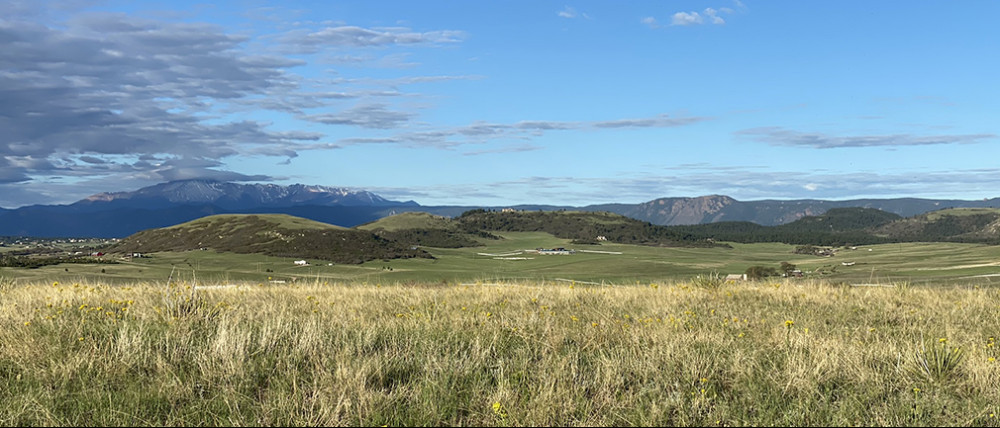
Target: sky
x: 502, y: 103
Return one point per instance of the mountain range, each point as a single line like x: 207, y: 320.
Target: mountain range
x: 233, y: 196
x: 121, y: 214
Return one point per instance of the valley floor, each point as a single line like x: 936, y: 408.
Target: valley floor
x: 515, y: 259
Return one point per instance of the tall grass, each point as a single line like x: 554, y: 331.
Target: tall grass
x: 783, y: 353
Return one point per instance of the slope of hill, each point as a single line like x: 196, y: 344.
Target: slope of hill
x: 275, y: 235
x: 585, y: 227
x: 419, y: 228
x: 863, y: 226
x: 842, y: 220
x: 673, y: 211
x: 410, y: 220
x: 952, y: 225
x: 712, y: 209
x: 837, y: 226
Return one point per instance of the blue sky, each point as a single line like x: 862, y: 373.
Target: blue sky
x: 500, y: 103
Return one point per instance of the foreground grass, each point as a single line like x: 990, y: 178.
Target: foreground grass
x: 512, y: 354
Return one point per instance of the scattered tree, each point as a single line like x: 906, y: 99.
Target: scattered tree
x: 759, y: 272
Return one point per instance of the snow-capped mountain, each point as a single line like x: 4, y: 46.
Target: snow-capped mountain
x: 235, y: 196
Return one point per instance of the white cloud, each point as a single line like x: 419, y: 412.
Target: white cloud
x: 572, y: 13
x: 741, y: 184
x: 714, y: 16
x: 344, y: 36
x: 708, y: 16
x: 373, y: 116
x: 778, y: 136
x: 686, y: 18
x: 481, y: 132
x: 118, y: 97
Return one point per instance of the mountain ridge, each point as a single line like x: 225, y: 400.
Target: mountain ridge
x: 119, y: 214
x: 235, y: 196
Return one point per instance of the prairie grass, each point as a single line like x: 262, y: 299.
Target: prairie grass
x: 765, y: 353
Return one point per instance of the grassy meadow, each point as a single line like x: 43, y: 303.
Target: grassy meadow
x: 675, y: 352
x: 916, y: 263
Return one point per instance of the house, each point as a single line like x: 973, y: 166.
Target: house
x: 734, y: 277
x: 301, y: 263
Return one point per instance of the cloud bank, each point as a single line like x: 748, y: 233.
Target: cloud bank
x: 778, y: 136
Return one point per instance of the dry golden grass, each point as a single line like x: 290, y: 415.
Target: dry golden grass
x: 779, y: 353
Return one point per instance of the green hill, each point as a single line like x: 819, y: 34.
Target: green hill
x: 271, y: 234
x: 837, y: 226
x: 842, y: 220
x: 952, y: 225
x: 410, y: 220
x: 582, y: 227
x: 863, y: 226
x: 419, y: 228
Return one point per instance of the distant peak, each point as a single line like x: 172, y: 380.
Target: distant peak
x: 232, y: 195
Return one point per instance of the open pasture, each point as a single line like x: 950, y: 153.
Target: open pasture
x: 912, y: 263
x: 801, y: 353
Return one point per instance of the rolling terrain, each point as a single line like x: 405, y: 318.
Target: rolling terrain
x: 272, y: 235
x: 119, y: 214
x: 953, y: 225
x: 600, y: 248
x: 843, y: 226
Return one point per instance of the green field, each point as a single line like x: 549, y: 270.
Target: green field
x: 787, y: 353
x: 498, y: 335
x: 913, y: 263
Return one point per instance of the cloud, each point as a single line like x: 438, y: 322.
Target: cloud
x: 708, y: 16
x: 102, y: 95
x: 520, y: 148
x: 543, y: 125
x: 571, y: 13
x: 659, y: 121
x: 686, y: 18
x: 713, y: 15
x: 481, y: 132
x: 186, y: 169
x: 746, y: 184
x: 114, y: 84
x: 374, y: 116
x: 777, y: 136
x: 396, y: 60
x: 306, y: 41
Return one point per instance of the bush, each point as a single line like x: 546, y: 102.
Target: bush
x: 759, y: 272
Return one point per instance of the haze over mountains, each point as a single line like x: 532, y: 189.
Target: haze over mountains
x: 121, y: 214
